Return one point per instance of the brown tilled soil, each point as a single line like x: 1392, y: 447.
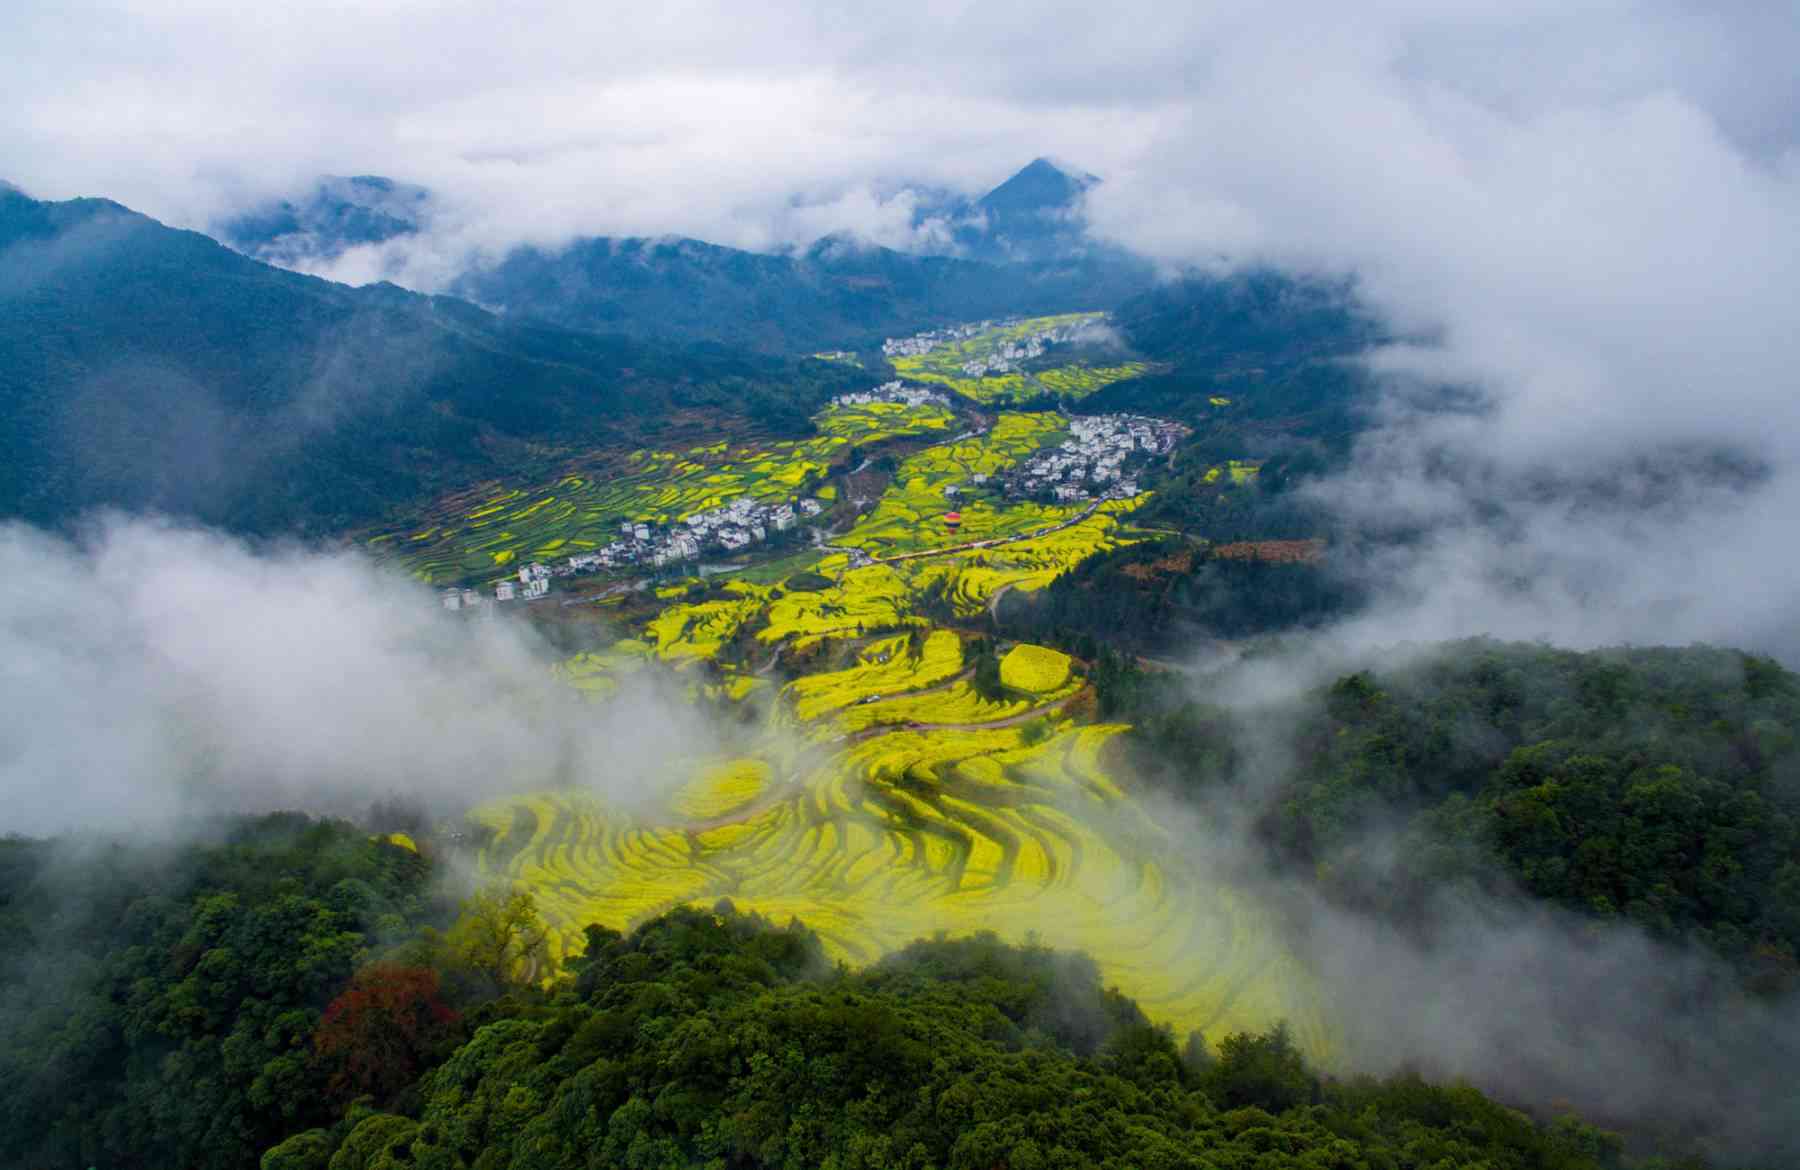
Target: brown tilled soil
x: 1280, y: 552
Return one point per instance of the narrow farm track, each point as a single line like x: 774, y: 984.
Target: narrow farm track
x: 994, y: 602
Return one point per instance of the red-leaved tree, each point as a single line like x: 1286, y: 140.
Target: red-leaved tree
x: 386, y: 1026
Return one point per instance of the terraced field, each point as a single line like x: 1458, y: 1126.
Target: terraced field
x: 914, y: 832
x: 578, y: 513
x: 880, y: 796
x: 910, y: 514
x: 944, y: 364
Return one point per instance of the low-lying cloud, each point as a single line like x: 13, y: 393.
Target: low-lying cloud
x: 155, y: 674
x: 1539, y: 1006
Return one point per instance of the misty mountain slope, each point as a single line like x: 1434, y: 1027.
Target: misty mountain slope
x: 143, y: 367
x: 836, y: 294
x: 337, y: 214
x: 1658, y: 786
x: 1278, y: 347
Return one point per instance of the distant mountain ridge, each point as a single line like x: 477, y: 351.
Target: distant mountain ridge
x: 837, y: 293
x: 145, y: 367
x: 1020, y: 248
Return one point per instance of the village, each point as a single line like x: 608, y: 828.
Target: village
x: 1099, y: 456
x: 728, y: 528
x: 920, y: 344
x: 1005, y: 357
x: 896, y: 392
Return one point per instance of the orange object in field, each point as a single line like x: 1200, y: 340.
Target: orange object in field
x: 952, y: 519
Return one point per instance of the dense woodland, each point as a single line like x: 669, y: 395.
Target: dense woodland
x: 290, y: 993
x: 1659, y: 786
x: 1154, y: 597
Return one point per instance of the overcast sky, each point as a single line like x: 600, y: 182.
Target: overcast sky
x: 1595, y: 204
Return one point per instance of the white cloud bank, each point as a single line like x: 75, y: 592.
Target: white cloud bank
x: 155, y: 674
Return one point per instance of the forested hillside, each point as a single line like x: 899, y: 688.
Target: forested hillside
x: 1658, y: 786
x: 1275, y: 345
x: 162, y: 1005
x: 839, y: 293
x: 143, y: 367
x: 284, y: 989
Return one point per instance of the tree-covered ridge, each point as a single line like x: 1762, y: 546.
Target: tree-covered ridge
x: 1660, y: 786
x: 838, y: 293
x: 147, y: 368
x: 714, y: 1039
x: 281, y: 991
x: 1256, y: 357
x: 161, y: 1003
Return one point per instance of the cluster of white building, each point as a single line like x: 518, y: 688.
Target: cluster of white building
x: 533, y: 582
x: 1004, y: 359
x: 893, y: 392
x: 731, y: 527
x: 1098, y: 456
x: 923, y: 343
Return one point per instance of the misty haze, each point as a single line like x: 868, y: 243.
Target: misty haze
x: 1149, y: 585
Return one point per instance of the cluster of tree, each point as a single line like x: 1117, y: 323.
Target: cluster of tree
x: 718, y: 1039
x: 160, y: 1003
x: 1161, y: 596
x: 1274, y: 345
x: 1660, y: 786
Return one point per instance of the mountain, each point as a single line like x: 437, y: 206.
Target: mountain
x: 337, y: 214
x: 1033, y: 216
x: 144, y: 367
x: 1278, y: 347
x: 838, y: 293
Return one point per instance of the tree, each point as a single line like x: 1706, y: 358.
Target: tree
x: 500, y: 936
x: 1266, y: 1071
x: 383, y: 1031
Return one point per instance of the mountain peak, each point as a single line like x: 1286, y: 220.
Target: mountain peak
x: 1041, y: 185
